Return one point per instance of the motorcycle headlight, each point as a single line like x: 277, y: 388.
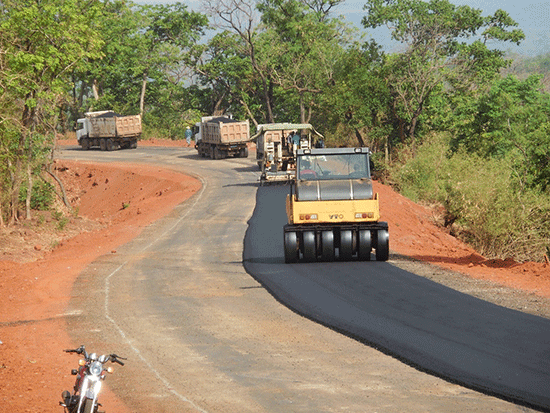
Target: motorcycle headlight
x: 96, y: 368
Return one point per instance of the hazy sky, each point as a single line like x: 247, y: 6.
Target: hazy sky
x: 533, y: 17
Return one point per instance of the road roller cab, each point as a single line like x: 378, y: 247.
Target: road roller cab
x: 333, y: 213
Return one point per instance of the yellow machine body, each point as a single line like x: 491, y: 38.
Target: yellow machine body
x: 330, y: 212
x: 333, y: 213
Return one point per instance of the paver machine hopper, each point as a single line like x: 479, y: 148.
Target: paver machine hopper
x: 276, y: 147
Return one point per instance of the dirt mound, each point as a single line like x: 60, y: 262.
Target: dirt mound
x: 413, y: 233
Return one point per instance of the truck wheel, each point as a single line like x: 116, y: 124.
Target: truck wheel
x: 346, y: 245
x: 217, y: 153
x: 133, y: 144
x: 109, y: 145
x: 244, y: 153
x: 291, y: 247
x: 382, y: 245
x: 327, y: 245
x: 364, y: 245
x: 85, y: 143
x: 308, y: 246
x: 102, y: 144
x: 212, y: 152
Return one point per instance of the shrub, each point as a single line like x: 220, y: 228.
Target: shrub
x: 42, y: 197
x: 485, y: 202
x: 418, y: 176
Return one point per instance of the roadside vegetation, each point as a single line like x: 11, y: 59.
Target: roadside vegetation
x: 451, y: 117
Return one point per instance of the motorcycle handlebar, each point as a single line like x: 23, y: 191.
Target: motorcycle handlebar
x: 116, y: 359
x: 113, y: 357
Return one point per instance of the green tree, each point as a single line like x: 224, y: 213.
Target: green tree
x: 292, y: 48
x: 112, y: 81
x: 445, y: 45
x: 305, y: 45
x: 357, y: 102
x: 243, y: 19
x: 486, y: 203
x: 145, y: 69
x: 169, y: 35
x: 41, y: 43
x: 225, y: 70
x: 513, y: 120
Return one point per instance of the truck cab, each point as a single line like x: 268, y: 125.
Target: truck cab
x: 82, y: 128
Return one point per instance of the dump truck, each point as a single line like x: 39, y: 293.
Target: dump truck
x: 222, y: 136
x: 276, y: 146
x: 108, y: 130
x: 333, y: 213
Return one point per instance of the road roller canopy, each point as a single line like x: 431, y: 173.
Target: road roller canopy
x: 333, y: 174
x: 332, y: 164
x: 304, y: 128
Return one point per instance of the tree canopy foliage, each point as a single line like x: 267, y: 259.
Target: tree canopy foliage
x: 41, y: 44
x: 279, y: 61
x: 446, y: 45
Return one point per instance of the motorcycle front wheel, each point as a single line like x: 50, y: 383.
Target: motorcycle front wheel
x: 89, y: 406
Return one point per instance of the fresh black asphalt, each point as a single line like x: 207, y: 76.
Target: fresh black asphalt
x: 465, y: 340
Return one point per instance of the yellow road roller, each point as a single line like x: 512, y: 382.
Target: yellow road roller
x: 333, y: 213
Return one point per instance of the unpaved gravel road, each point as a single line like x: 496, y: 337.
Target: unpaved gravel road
x: 202, y: 335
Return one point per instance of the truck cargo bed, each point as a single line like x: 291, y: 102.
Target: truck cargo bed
x: 225, y: 131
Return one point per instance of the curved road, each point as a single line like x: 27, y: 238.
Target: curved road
x: 202, y: 335
x: 450, y: 334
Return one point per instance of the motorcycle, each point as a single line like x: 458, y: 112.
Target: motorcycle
x: 89, y: 377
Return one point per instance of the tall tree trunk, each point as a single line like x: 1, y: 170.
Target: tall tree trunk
x: 268, y: 93
x: 359, y: 138
x: 29, y: 192
x: 95, y: 90
x: 21, y: 156
x: 80, y: 100
x: 142, y: 96
x: 402, y: 135
x: 302, y: 108
x: 309, y: 114
x: 414, y: 122
x: 63, y: 194
x: 216, y: 111
x: 247, y: 108
x: 16, y: 180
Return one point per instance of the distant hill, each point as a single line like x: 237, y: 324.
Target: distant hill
x: 524, y: 66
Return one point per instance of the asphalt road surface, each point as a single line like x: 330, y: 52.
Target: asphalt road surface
x: 447, y: 333
x: 203, y: 335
